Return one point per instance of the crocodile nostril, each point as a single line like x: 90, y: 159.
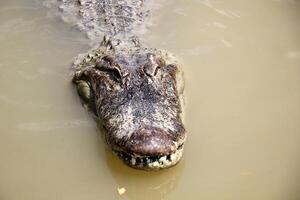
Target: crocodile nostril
x: 150, y: 141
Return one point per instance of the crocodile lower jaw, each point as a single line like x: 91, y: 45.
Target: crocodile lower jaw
x: 151, y: 162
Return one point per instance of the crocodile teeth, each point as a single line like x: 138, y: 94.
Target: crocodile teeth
x: 149, y: 162
x: 163, y: 159
x: 133, y: 161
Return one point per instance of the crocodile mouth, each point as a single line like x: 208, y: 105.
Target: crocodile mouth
x: 151, y: 162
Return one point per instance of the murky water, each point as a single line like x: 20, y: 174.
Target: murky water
x: 242, y: 68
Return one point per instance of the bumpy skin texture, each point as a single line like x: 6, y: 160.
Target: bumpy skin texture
x: 98, y: 17
x: 133, y: 91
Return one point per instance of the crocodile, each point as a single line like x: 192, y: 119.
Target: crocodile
x: 133, y: 91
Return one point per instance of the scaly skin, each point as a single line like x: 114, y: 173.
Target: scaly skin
x: 133, y: 91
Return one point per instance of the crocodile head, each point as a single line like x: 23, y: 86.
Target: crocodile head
x: 135, y: 93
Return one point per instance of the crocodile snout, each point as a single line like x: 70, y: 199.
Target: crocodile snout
x: 150, y: 141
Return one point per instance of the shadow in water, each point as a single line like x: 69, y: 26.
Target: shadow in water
x: 143, y: 184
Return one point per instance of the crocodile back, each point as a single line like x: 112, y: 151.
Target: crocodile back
x: 113, y: 18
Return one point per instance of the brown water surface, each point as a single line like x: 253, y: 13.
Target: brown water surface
x: 242, y: 67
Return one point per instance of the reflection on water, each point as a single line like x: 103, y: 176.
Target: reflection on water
x: 159, y: 185
x: 242, y: 66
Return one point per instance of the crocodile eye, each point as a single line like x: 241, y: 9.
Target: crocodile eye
x: 156, y: 70
x: 152, y: 65
x: 151, y: 69
x: 113, y: 72
x: 116, y: 72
